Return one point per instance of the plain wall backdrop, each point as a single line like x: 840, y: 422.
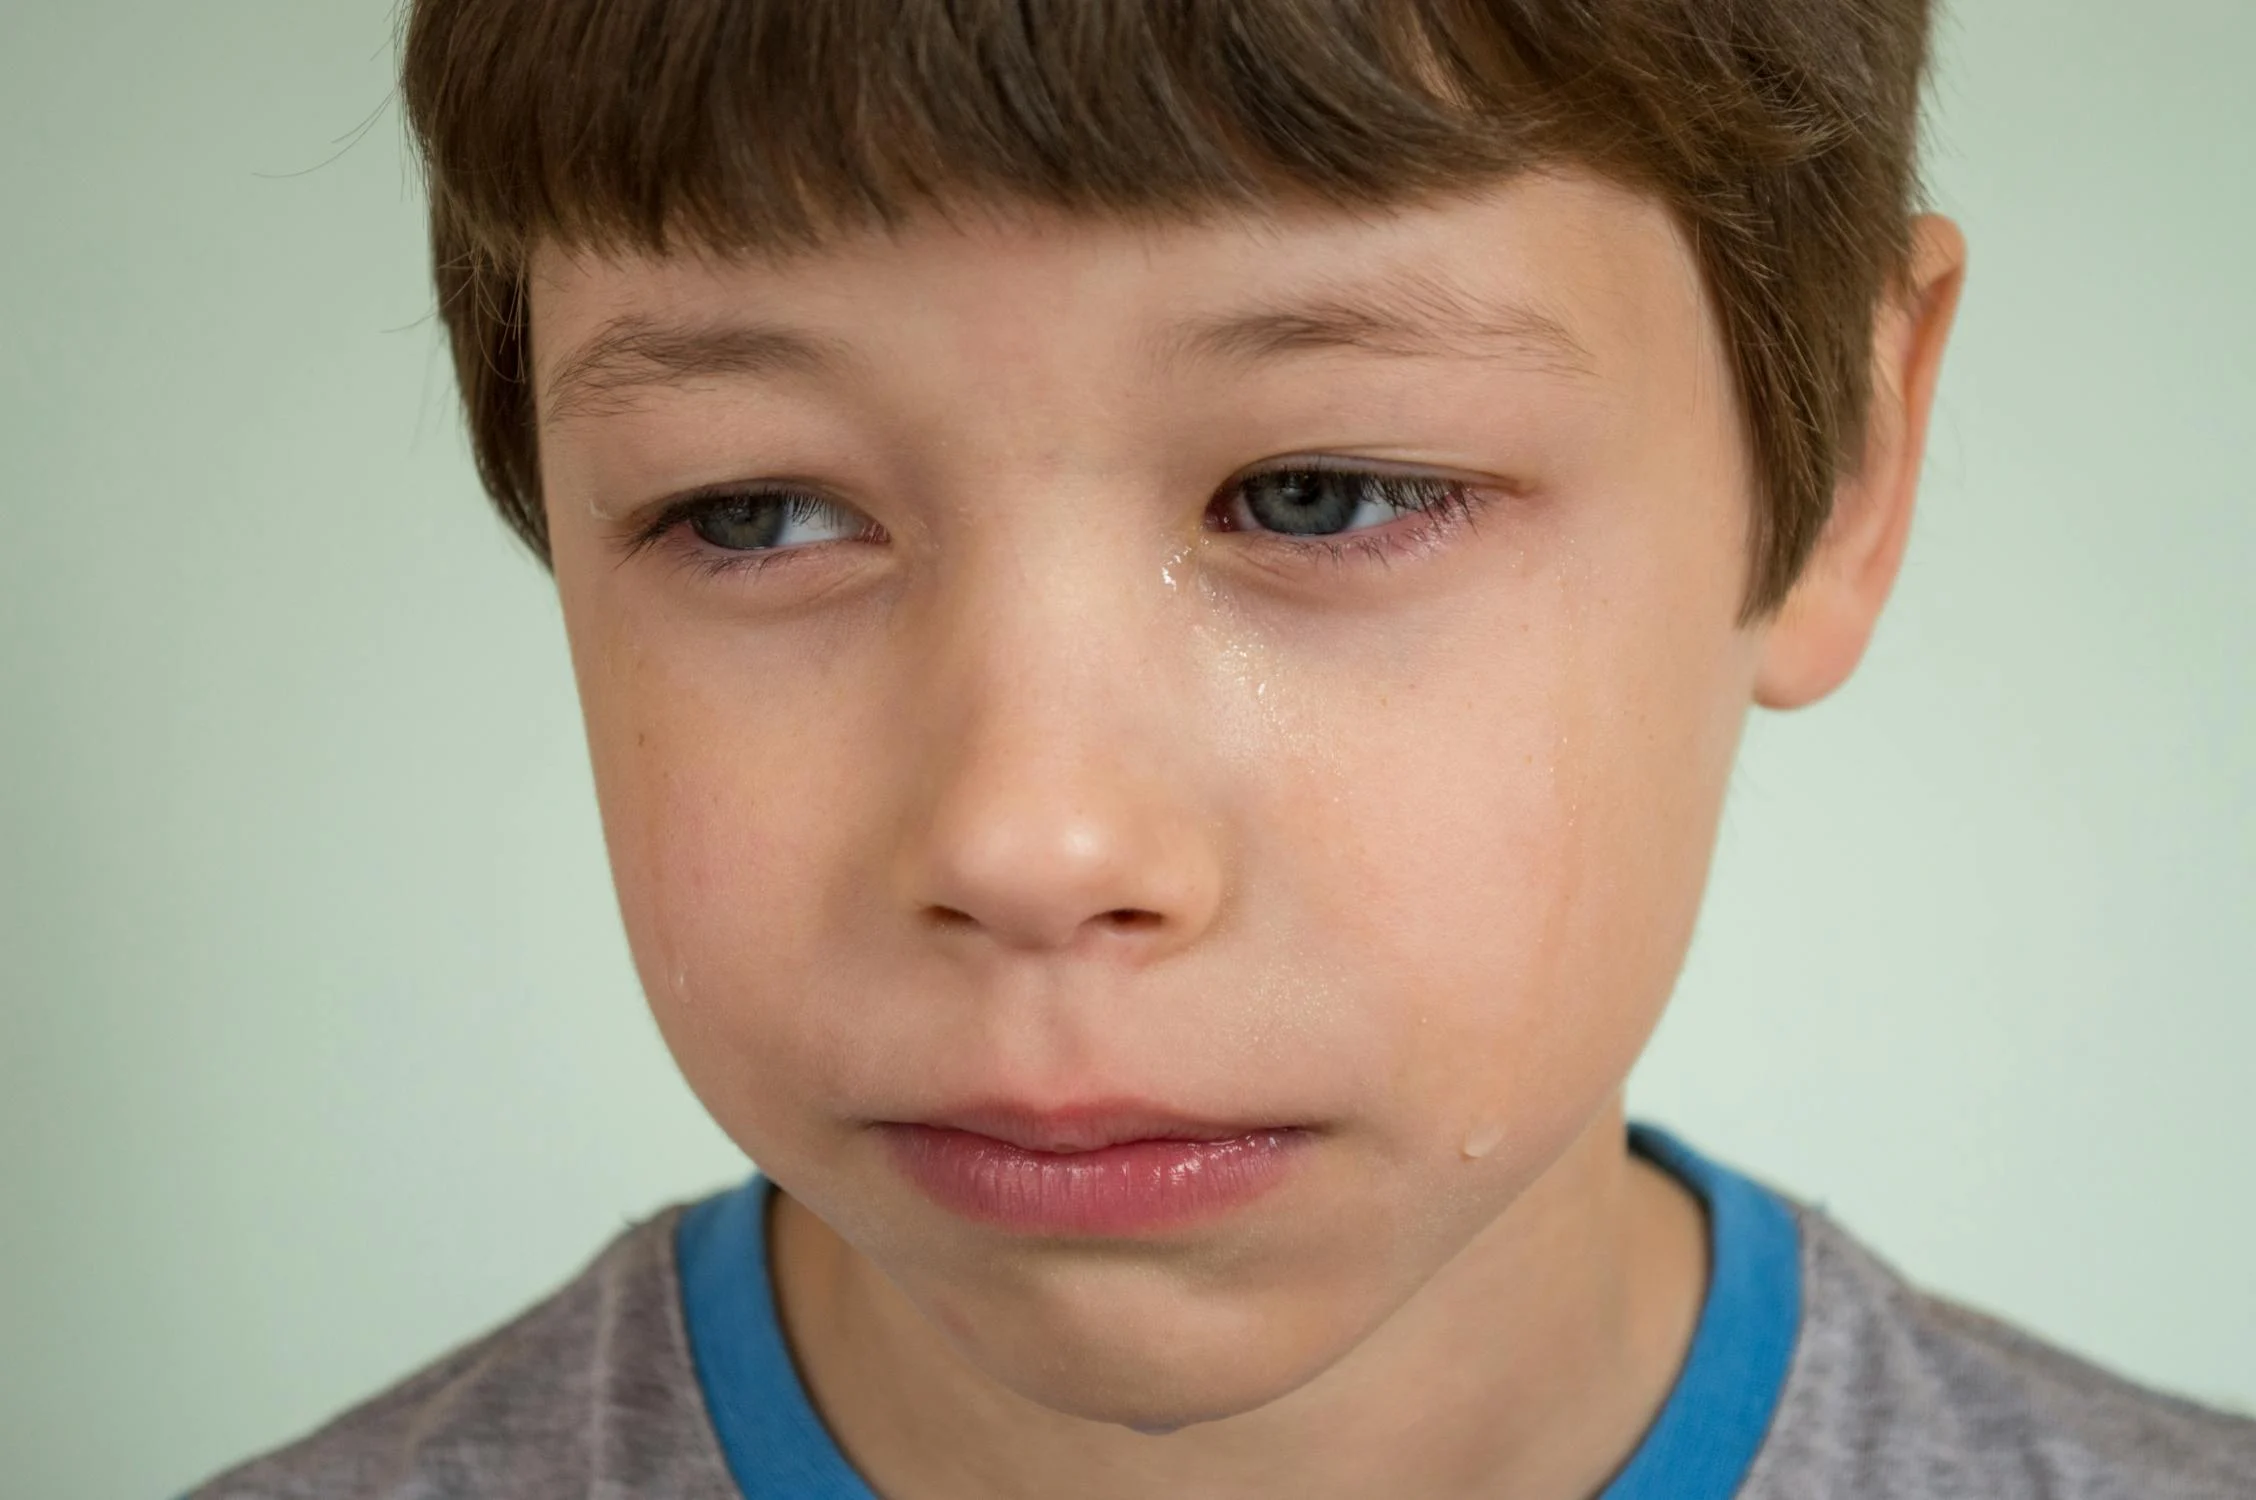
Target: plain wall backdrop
x: 319, y: 1047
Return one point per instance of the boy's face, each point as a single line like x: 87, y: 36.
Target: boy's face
x: 1012, y: 734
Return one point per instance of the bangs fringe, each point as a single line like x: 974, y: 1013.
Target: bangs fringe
x: 759, y: 124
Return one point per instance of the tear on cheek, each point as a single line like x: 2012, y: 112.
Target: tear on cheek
x: 1483, y: 1140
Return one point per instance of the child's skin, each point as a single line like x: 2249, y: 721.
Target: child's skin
x: 1026, y: 779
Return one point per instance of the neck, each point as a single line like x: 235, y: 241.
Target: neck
x: 1530, y: 1365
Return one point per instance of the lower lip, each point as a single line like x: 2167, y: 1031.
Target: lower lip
x: 1132, y: 1188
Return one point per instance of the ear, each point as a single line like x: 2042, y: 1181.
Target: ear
x: 1818, y: 635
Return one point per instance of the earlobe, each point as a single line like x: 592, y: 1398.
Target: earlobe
x: 1820, y: 633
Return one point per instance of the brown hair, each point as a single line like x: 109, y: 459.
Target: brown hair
x: 1782, y: 133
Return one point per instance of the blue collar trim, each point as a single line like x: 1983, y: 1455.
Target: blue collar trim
x: 1714, y: 1422
x: 1699, y: 1448
x: 776, y: 1447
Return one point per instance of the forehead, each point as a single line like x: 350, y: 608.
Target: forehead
x: 1560, y: 273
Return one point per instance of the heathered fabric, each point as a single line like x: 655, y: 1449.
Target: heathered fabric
x: 1892, y: 1395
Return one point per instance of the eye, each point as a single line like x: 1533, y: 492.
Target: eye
x: 1315, y: 502
x: 764, y: 520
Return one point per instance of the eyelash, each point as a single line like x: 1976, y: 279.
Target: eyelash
x: 675, y: 519
x: 1443, y: 506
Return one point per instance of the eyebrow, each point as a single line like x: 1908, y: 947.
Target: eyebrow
x: 634, y: 353
x: 1404, y: 316
x: 1407, y: 317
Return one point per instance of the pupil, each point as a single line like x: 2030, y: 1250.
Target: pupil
x: 1312, y: 503
x: 740, y: 525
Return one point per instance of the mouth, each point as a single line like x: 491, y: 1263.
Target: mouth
x: 1092, y: 1172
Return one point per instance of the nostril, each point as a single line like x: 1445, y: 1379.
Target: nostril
x: 1120, y: 919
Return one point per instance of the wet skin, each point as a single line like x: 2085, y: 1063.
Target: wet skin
x: 1276, y: 673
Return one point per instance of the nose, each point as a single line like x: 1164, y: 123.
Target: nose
x: 1044, y: 853
x: 1059, y: 801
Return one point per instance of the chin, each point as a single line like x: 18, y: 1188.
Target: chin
x: 1133, y: 1346
x: 1150, y: 1390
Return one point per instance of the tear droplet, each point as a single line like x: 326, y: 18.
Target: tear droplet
x: 1482, y: 1141
x: 1175, y: 560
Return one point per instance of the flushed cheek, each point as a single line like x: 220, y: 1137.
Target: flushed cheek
x: 1500, y: 1010
x: 1610, y: 871
x: 714, y: 822
x: 1522, y: 902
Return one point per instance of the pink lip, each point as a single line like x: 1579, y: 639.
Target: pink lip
x: 1101, y: 1171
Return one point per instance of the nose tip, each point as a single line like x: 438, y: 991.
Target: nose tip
x: 1053, y: 862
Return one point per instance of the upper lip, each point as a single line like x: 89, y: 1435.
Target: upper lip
x: 1087, y: 1127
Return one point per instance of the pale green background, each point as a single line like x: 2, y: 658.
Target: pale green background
x: 318, y: 1045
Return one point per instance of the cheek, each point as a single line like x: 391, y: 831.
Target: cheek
x: 1512, y: 854
x: 714, y: 813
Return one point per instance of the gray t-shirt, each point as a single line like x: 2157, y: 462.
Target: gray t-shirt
x: 1816, y: 1373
